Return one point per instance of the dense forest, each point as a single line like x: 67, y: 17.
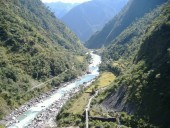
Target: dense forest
x: 34, y: 47
x: 141, y: 59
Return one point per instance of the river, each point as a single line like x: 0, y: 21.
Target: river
x: 26, y: 117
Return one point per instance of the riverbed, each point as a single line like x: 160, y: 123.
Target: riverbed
x: 50, y: 104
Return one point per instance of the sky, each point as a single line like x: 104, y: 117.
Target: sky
x: 65, y: 1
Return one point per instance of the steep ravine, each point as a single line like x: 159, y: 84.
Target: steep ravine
x: 142, y: 88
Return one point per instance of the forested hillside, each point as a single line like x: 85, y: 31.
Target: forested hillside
x: 89, y: 17
x: 140, y: 57
x: 34, y: 47
x: 134, y: 10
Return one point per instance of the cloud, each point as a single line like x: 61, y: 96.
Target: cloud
x: 65, y: 1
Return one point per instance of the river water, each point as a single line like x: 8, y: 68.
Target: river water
x: 26, y: 117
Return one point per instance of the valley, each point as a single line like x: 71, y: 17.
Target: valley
x: 109, y: 68
x: 40, y: 111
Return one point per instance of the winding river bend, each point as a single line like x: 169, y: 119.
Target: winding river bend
x: 24, y: 119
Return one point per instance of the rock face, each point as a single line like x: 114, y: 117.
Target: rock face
x: 87, y: 18
x: 118, y: 101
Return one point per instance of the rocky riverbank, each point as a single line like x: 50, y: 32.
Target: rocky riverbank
x: 41, y: 111
x: 11, y: 119
x: 47, y: 116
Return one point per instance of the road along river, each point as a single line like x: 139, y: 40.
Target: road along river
x: 40, y: 112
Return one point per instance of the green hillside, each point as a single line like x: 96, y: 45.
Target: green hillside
x: 34, y: 47
x: 134, y: 10
x: 142, y: 54
x: 139, y: 56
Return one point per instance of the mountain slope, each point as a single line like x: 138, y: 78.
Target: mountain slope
x: 59, y: 8
x: 142, y: 54
x: 89, y: 17
x: 134, y: 10
x: 34, y: 47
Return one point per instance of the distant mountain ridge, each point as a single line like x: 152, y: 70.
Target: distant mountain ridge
x: 89, y: 17
x: 60, y: 8
x: 131, y: 12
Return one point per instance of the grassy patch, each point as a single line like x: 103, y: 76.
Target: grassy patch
x: 96, y: 112
x: 71, y: 113
x: 120, y: 64
x: 80, y: 58
x: 78, y: 105
x: 2, y: 126
x: 104, y: 79
x: 115, y: 64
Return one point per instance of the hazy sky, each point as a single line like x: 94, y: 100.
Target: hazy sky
x: 65, y: 1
